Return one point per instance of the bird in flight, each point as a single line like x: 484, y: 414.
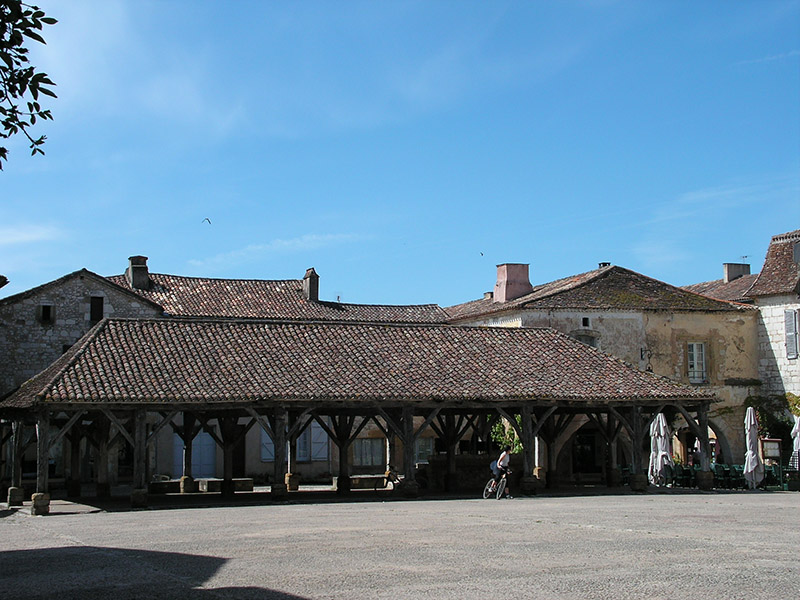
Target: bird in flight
x: 206, y: 219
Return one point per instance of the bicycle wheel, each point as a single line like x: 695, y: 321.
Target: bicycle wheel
x: 487, y: 491
x: 501, y: 487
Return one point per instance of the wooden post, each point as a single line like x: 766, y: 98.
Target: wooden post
x: 187, y: 432
x: 74, y: 480
x: 16, y: 494
x: 410, y: 488
x: 705, y: 478
x: 528, y: 483
x: 638, y: 482
x: 228, y: 427
x: 102, y: 431
x: 41, y: 499
x: 278, y: 488
x: 139, y: 493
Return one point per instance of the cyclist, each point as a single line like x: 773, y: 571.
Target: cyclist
x: 502, y: 468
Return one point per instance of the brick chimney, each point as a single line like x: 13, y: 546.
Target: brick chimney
x: 137, y: 274
x: 732, y: 271
x: 311, y: 285
x: 512, y: 282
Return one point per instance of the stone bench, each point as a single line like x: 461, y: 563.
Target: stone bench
x: 240, y: 484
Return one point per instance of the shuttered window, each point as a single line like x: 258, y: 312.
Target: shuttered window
x: 696, y: 362
x: 790, y: 320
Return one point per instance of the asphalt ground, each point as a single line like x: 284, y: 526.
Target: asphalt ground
x: 663, y: 544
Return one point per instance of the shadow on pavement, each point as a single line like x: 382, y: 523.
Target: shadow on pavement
x: 87, y: 572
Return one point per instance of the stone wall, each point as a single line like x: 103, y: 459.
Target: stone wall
x: 29, y: 342
x: 778, y: 373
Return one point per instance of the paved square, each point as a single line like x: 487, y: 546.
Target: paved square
x: 657, y: 545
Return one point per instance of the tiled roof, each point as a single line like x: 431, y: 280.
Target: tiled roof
x: 780, y: 274
x: 213, y: 361
x: 57, y: 282
x: 265, y: 299
x: 733, y: 291
x: 607, y: 288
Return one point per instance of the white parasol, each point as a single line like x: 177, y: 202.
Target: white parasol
x: 660, y: 455
x: 795, y: 459
x: 753, y: 467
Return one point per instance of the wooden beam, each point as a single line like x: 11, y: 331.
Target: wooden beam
x: 57, y: 438
x: 164, y: 421
x: 120, y: 426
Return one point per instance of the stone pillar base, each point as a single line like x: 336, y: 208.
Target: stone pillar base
x: 342, y: 485
x: 614, y: 478
x: 639, y: 482
x: 73, y: 488
x: 292, y: 481
x: 540, y: 473
x: 705, y: 480
x: 103, y: 490
x: 529, y: 485
x: 16, y: 496
x: 278, y: 491
x: 139, y: 498
x: 409, y: 489
x: 41, y: 504
x: 188, y: 485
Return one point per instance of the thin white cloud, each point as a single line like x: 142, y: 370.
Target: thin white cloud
x: 771, y: 58
x: 673, y: 231
x: 305, y: 243
x: 28, y: 234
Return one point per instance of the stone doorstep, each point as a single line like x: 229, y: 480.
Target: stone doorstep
x: 240, y: 484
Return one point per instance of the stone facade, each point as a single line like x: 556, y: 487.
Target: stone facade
x: 657, y: 341
x: 779, y: 373
x: 38, y: 326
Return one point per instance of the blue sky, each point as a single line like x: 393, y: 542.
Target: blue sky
x: 404, y: 149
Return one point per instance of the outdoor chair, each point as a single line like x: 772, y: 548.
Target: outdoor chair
x: 722, y: 479
x: 737, y: 477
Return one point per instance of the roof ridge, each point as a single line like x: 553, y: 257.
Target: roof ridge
x: 300, y: 281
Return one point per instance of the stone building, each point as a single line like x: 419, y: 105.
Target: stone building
x: 776, y: 293
x: 703, y: 342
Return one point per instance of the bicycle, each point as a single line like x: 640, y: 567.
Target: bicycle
x: 389, y: 483
x: 496, y: 489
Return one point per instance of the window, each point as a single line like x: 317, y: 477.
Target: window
x: 790, y: 321
x: 589, y: 340
x: 312, y: 444
x: 423, y: 449
x: 46, y: 314
x: 369, y: 452
x: 585, y: 321
x: 96, y: 309
x: 696, y: 362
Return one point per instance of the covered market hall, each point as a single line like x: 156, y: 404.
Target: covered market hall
x: 128, y: 380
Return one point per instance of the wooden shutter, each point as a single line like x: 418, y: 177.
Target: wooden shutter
x: 319, y: 442
x: 790, y: 321
x: 267, y: 447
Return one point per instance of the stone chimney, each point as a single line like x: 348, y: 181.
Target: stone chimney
x: 137, y: 274
x: 512, y: 282
x: 732, y: 271
x: 311, y: 285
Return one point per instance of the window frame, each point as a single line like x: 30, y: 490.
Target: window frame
x: 695, y: 374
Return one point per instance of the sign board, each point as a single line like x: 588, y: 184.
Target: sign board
x: 771, y: 448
